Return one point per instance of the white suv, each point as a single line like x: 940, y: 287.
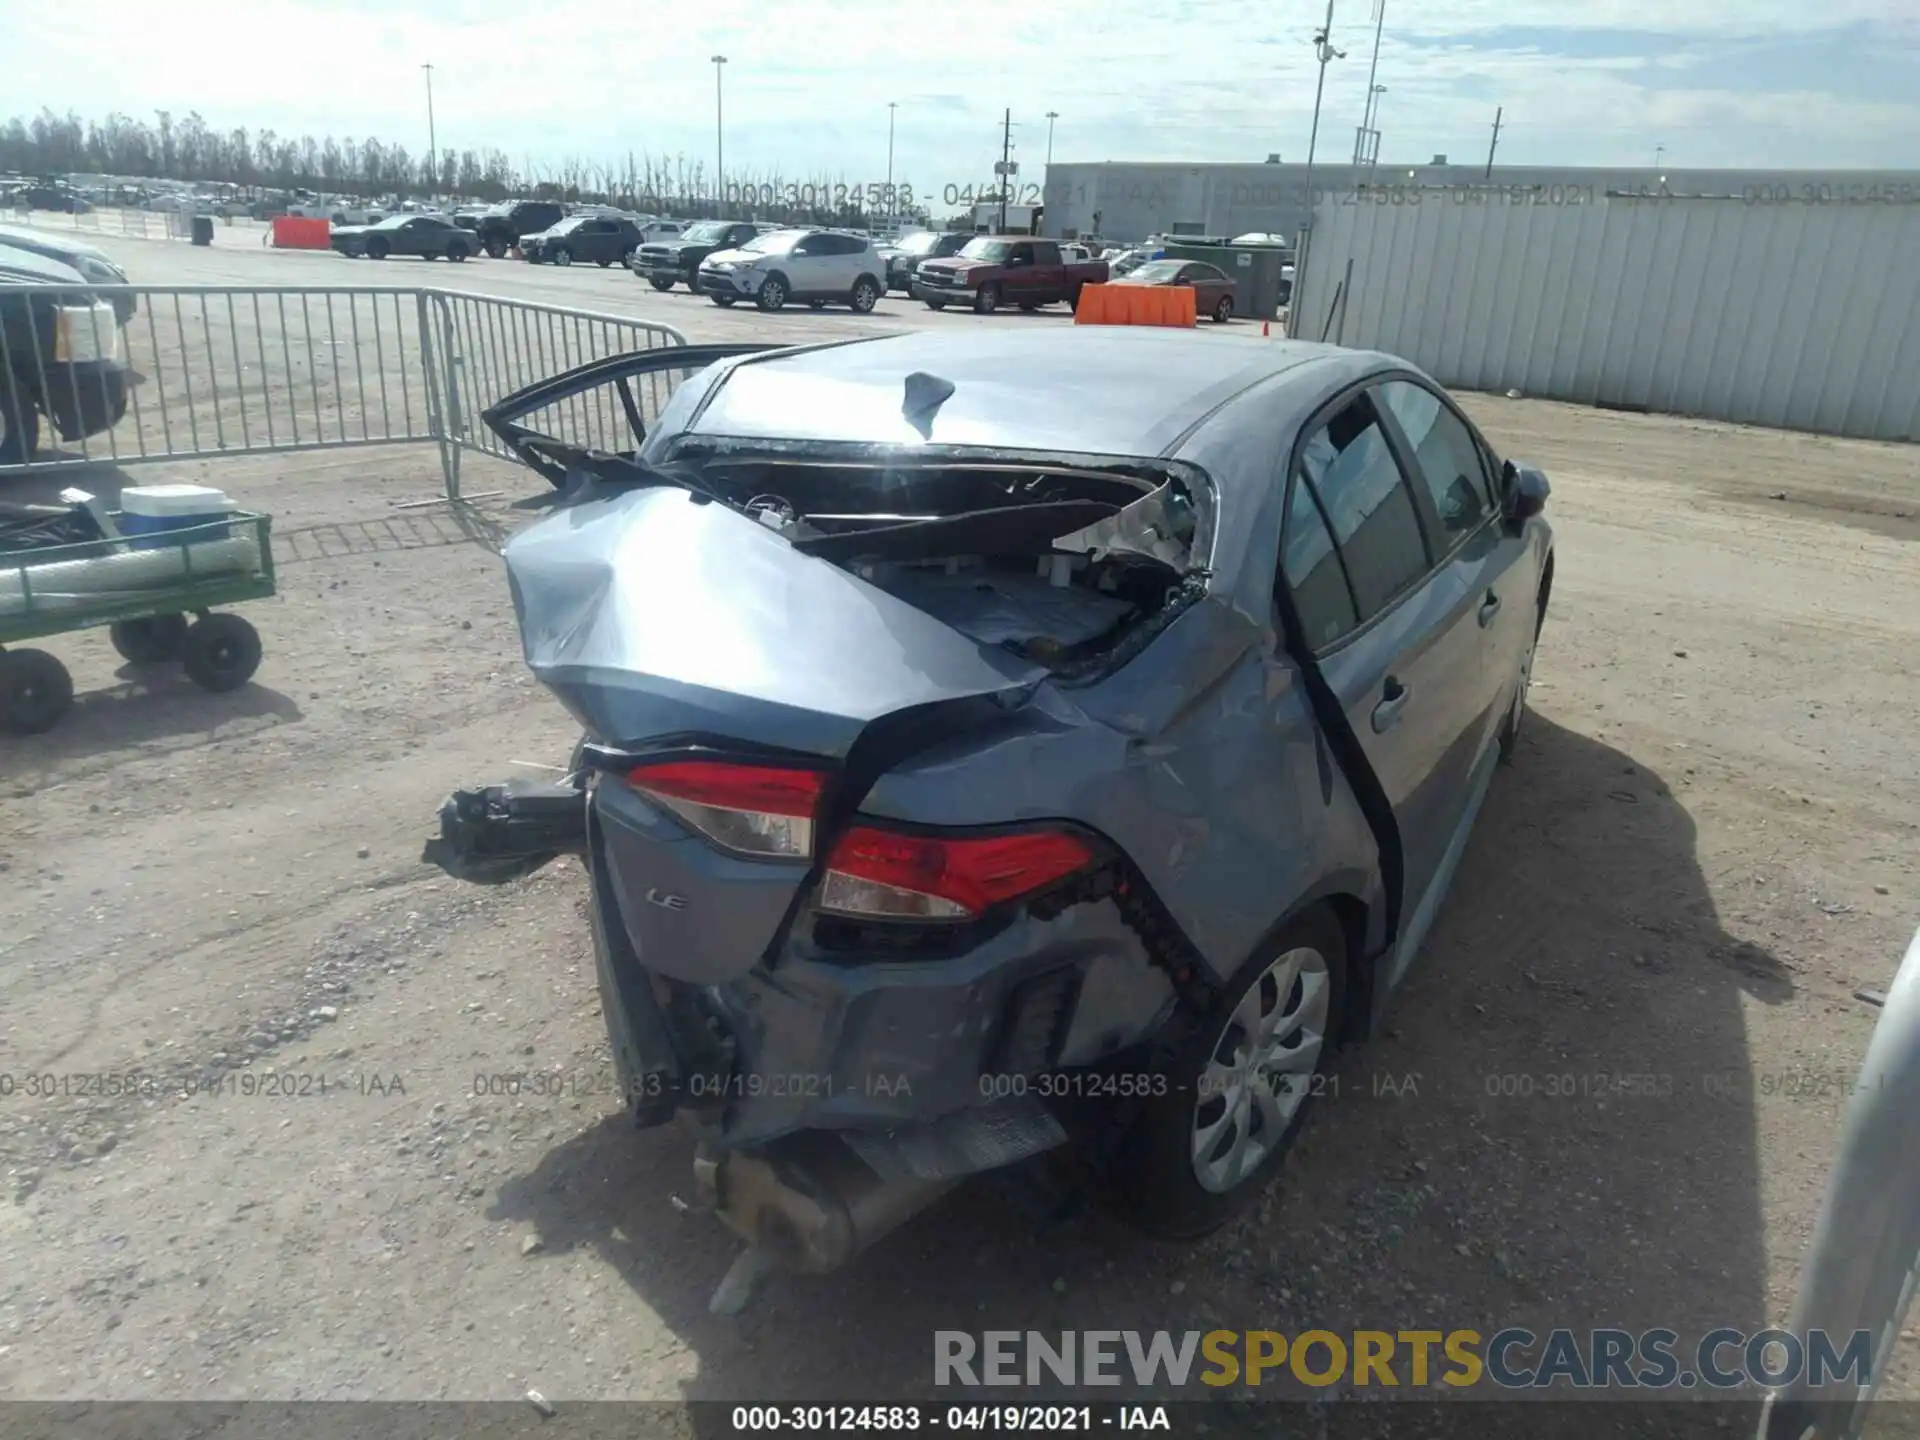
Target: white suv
x: 820, y: 267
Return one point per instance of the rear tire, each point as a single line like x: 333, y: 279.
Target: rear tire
x: 661, y: 285
x: 866, y: 295
x: 35, y: 691
x: 19, y: 428
x: 1294, y: 987
x: 496, y: 249
x: 221, y: 653
x: 154, y: 640
x: 935, y: 304
x: 603, y: 264
x: 1029, y: 306
x: 816, y: 304
x: 456, y: 252
x: 725, y: 302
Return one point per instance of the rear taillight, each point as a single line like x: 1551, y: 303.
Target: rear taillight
x: 756, y: 810
x: 888, y: 875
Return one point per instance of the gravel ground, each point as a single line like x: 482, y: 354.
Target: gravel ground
x: 1706, y: 846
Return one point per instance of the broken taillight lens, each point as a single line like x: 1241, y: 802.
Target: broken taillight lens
x: 756, y: 810
x: 891, y: 875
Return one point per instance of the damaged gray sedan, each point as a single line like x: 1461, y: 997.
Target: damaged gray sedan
x: 980, y: 761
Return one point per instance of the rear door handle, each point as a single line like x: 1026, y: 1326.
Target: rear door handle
x: 1394, y: 698
x: 1489, y: 608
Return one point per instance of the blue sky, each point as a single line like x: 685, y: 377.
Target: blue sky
x: 1716, y: 82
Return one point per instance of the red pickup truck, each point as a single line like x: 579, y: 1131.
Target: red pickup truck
x: 995, y: 270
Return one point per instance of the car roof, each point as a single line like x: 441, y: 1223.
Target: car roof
x: 33, y: 267
x: 51, y: 245
x: 1091, y: 390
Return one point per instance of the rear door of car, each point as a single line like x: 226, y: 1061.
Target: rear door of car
x: 807, y: 265
x: 1208, y: 285
x: 1457, y: 473
x: 1047, y: 280
x: 1390, y: 614
x: 849, y: 261
x: 1019, y: 277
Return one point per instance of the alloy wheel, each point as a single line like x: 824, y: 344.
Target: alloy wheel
x: 1260, y: 1070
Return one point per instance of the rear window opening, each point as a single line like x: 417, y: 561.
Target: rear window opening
x: 1069, y: 568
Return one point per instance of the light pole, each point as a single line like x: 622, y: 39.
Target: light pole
x: 1052, y: 115
x: 1325, y: 53
x: 1373, y: 124
x: 433, y: 141
x: 892, y: 105
x: 1659, y: 153
x: 719, y: 143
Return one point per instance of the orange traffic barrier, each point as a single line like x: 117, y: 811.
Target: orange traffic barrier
x: 1166, y: 305
x: 299, y: 232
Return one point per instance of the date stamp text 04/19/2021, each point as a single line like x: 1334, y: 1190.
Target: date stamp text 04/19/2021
x: 143, y: 1085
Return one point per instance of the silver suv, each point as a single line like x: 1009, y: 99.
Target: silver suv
x: 821, y: 267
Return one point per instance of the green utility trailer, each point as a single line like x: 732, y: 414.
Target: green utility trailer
x: 143, y: 588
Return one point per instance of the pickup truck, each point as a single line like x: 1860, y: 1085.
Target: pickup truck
x: 663, y: 263
x: 992, y: 270
x: 62, y: 355
x: 505, y: 226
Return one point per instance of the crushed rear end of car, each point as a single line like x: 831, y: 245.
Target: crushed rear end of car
x: 847, y: 924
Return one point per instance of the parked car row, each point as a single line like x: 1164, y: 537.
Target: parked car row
x: 730, y: 261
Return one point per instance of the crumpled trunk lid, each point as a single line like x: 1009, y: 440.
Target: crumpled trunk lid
x: 664, y: 623
x: 652, y: 614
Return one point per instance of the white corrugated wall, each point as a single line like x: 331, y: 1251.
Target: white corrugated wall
x: 1801, y: 316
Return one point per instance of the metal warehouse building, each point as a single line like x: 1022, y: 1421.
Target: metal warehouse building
x: 1129, y: 200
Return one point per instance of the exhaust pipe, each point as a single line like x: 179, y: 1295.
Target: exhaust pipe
x: 807, y: 1202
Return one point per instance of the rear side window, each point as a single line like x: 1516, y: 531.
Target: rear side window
x: 1366, y: 500
x: 1445, y: 455
x: 1313, y: 571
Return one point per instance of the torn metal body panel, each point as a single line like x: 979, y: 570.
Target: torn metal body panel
x: 971, y: 771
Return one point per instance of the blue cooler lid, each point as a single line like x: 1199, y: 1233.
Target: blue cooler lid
x: 166, y: 502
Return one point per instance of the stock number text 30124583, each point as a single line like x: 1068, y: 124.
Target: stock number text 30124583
x: 991, y: 194
x: 810, y: 196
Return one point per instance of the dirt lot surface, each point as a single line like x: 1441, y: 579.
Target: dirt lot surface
x: 1708, y: 843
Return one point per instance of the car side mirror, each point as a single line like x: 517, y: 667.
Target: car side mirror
x: 1523, y: 491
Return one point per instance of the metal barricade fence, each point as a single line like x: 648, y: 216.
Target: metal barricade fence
x: 125, y: 375
x: 494, y: 347
x: 111, y: 220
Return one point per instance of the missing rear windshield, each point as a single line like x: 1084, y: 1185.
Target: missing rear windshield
x: 1069, y: 563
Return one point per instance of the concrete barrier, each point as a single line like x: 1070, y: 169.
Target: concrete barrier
x: 297, y: 232
x: 1165, y: 305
